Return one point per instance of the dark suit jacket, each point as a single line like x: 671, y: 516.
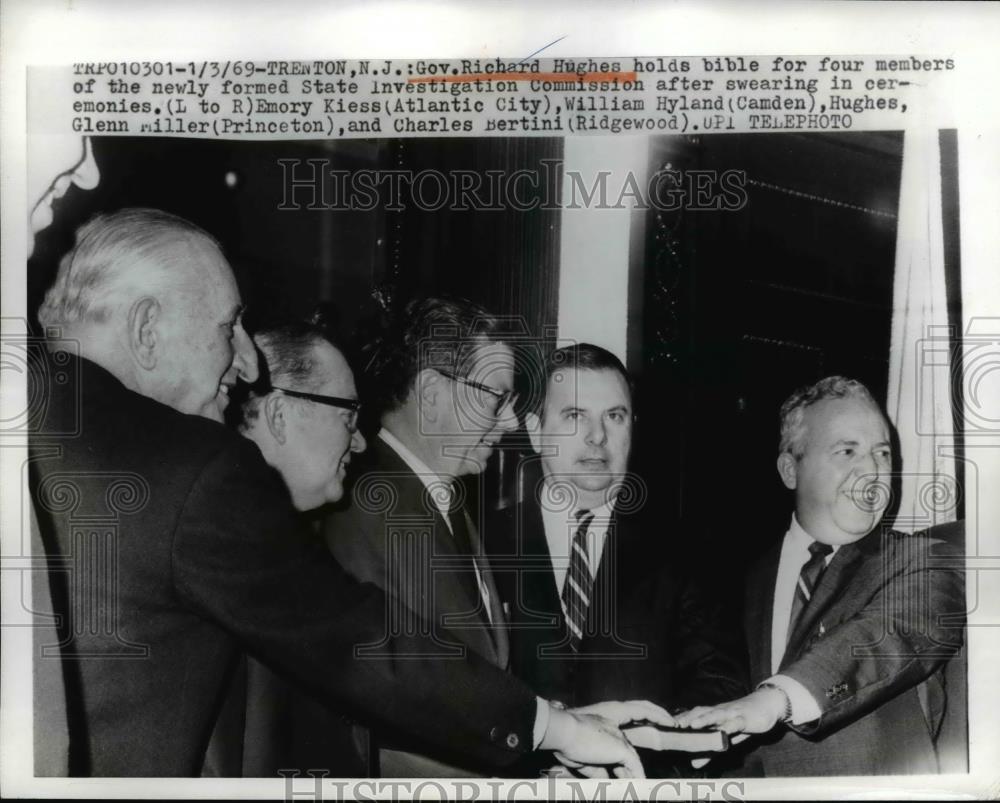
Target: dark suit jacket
x: 173, y: 543
x: 392, y: 535
x: 952, y: 742
x: 654, y: 635
x: 870, y: 648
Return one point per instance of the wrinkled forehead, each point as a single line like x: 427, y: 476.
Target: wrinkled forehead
x: 587, y: 388
x: 196, y: 265
x: 332, y: 373
x: 847, y: 419
x: 491, y: 361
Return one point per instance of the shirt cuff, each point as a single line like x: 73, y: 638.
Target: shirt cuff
x: 541, y: 721
x: 804, y: 706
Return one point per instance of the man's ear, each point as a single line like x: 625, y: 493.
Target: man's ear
x: 534, y: 426
x: 428, y: 389
x: 143, y: 317
x: 273, y: 409
x: 788, y: 469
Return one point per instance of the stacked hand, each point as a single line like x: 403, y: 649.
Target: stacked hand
x: 590, y: 740
x: 758, y: 712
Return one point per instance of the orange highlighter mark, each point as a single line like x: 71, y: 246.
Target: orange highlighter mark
x: 620, y: 77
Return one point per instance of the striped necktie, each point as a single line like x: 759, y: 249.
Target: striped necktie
x: 579, y: 582
x: 808, y: 580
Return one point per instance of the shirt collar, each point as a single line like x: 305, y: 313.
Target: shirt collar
x: 602, y: 513
x: 438, y: 487
x: 801, y: 539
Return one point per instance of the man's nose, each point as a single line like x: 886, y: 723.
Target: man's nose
x: 868, y: 466
x: 358, y: 442
x: 507, y: 422
x: 244, y: 356
x: 598, y: 433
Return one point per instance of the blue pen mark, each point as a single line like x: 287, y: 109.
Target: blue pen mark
x: 540, y: 50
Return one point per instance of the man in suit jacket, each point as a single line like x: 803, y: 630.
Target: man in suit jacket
x: 173, y: 540
x: 447, y: 380
x: 302, y: 413
x: 599, y: 611
x: 64, y: 162
x: 849, y: 624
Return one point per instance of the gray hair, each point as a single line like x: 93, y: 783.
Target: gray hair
x: 793, y: 426
x: 102, y: 263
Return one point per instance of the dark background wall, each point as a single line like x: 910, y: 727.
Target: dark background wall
x: 729, y: 311
x: 742, y: 307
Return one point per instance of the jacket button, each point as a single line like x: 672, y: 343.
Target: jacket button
x: 494, y: 734
x: 513, y: 741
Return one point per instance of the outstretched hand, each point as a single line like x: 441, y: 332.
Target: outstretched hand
x: 588, y: 740
x: 628, y: 711
x: 758, y: 712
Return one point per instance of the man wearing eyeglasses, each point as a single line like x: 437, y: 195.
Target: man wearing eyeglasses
x: 303, y: 415
x: 305, y: 419
x: 446, y: 380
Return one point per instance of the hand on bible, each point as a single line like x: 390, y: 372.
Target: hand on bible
x: 758, y: 712
x: 625, y: 712
x: 591, y: 743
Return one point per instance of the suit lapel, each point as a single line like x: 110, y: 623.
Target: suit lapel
x: 498, y: 628
x: 624, y: 563
x: 759, y: 613
x: 604, y: 593
x: 453, y: 590
x: 540, y: 621
x: 837, y: 576
x: 538, y: 590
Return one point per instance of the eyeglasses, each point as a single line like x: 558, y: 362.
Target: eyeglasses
x: 353, y: 405
x: 502, y: 398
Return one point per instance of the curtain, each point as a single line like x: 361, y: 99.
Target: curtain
x: 919, y: 398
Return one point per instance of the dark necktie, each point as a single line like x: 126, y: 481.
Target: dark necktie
x: 579, y: 582
x: 808, y: 580
x: 462, y: 539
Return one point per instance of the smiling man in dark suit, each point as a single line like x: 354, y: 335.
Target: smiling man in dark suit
x: 849, y: 624
x: 599, y: 611
x: 446, y: 378
x: 171, y: 539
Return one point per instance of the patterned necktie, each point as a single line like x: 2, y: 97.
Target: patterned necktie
x: 579, y: 582
x: 808, y: 579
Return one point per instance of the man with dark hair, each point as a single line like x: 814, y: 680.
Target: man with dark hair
x: 446, y: 383
x: 849, y: 624
x: 173, y: 535
x: 599, y: 610
x: 304, y: 419
x: 303, y: 415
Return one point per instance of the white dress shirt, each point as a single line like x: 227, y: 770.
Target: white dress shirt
x: 560, y: 528
x: 794, y: 555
